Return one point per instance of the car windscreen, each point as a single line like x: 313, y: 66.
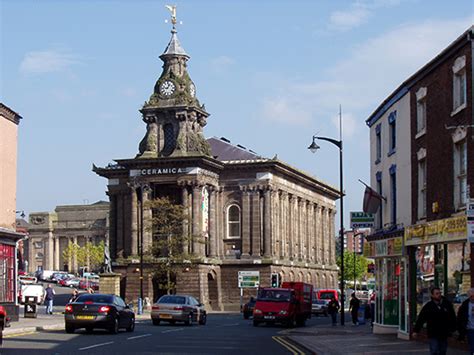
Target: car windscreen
x: 326, y: 295
x: 172, y: 299
x: 95, y: 298
x: 319, y: 302
x: 274, y: 295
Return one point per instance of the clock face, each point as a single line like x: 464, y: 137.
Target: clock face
x: 192, y: 90
x: 167, y: 88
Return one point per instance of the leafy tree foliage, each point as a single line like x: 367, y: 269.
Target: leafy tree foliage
x: 360, y: 261
x: 89, y: 255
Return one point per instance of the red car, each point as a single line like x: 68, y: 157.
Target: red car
x: 84, y: 285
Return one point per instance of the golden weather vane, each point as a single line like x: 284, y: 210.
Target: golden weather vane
x: 172, y: 10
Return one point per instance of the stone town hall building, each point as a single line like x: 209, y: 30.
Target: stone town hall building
x: 254, y: 213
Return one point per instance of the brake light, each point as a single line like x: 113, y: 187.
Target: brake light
x: 155, y: 308
x: 179, y: 308
x: 68, y: 308
x: 104, y: 309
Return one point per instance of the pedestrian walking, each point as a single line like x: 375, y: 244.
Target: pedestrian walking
x: 372, y: 308
x: 354, y: 305
x: 465, y: 320
x: 49, y: 298
x: 333, y: 308
x: 75, y: 295
x: 440, y: 319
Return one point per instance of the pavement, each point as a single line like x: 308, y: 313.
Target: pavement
x: 326, y: 339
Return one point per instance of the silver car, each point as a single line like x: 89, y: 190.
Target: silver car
x: 178, y: 308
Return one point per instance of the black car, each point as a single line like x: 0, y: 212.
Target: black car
x: 101, y: 311
x: 248, y: 308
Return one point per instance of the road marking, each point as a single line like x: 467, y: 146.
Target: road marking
x: 172, y: 330
x: 18, y: 334
x: 230, y: 325
x: 139, y: 336
x: 293, y: 349
x: 95, y: 346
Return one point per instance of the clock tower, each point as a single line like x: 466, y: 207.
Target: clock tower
x: 173, y: 114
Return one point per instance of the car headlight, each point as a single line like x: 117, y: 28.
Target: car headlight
x: 257, y: 311
x: 283, y: 312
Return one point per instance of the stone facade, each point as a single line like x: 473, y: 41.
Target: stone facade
x: 253, y: 213
x: 51, y: 232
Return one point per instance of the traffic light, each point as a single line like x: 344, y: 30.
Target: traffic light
x: 275, y: 280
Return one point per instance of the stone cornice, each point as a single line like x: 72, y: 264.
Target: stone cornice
x: 9, y: 114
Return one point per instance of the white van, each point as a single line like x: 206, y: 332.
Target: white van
x: 32, y: 291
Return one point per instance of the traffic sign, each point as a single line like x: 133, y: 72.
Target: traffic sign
x: 362, y: 220
x: 470, y: 221
x: 249, y: 279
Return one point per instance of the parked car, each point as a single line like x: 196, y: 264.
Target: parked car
x: 27, y: 279
x: 319, y: 307
x: 74, y: 282
x: 248, y: 308
x: 85, y: 284
x: 58, y: 275
x: 172, y: 308
x: 101, y: 311
x: 33, y: 290
x: 288, y: 305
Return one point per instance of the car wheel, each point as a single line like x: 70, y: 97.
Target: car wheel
x: 155, y: 321
x: 89, y: 329
x: 131, y: 327
x: 70, y: 329
x: 114, y: 327
x: 203, y: 319
x: 189, y: 321
x: 255, y: 323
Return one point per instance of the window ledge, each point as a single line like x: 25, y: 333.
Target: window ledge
x: 420, y: 133
x: 459, y: 109
x: 461, y: 208
x: 377, y: 161
x: 393, y: 151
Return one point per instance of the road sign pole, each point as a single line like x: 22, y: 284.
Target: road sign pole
x: 241, y: 298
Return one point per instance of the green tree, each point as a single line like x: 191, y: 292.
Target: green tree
x: 90, y: 255
x: 170, y: 241
x: 361, y: 263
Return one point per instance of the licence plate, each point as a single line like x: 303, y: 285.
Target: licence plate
x: 166, y: 316
x: 269, y: 317
x: 85, y: 317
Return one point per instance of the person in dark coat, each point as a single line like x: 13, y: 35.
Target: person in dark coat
x: 333, y: 308
x: 354, y: 305
x: 465, y: 320
x: 440, y: 319
x: 49, y: 298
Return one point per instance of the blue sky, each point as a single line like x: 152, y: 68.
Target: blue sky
x: 271, y: 74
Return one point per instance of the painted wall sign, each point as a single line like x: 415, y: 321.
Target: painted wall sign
x: 443, y: 230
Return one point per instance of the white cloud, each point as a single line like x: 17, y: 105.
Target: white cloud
x: 222, y: 63
x: 363, y: 80
x: 284, y: 110
x: 48, y: 61
x: 357, y: 14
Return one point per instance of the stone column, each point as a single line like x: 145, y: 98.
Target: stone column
x: 310, y: 224
x: 147, y: 222
x: 299, y: 222
x: 74, y: 256
x: 120, y: 245
x: 246, y: 222
x: 50, y: 251
x: 56, y: 253
x: 196, y: 221
x: 134, y: 223
x: 267, y: 227
x: 212, y: 224
x: 187, y: 247
x: 284, y: 225
x: 324, y: 234
x: 255, y: 218
x: 276, y: 223
x: 220, y: 229
x: 112, y: 226
x: 319, y: 234
x: 332, y: 248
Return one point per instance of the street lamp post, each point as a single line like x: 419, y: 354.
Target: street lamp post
x: 338, y: 143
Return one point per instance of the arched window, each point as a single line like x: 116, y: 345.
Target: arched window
x: 233, y: 221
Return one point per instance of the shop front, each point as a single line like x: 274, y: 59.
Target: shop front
x: 390, y: 281
x: 439, y: 256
